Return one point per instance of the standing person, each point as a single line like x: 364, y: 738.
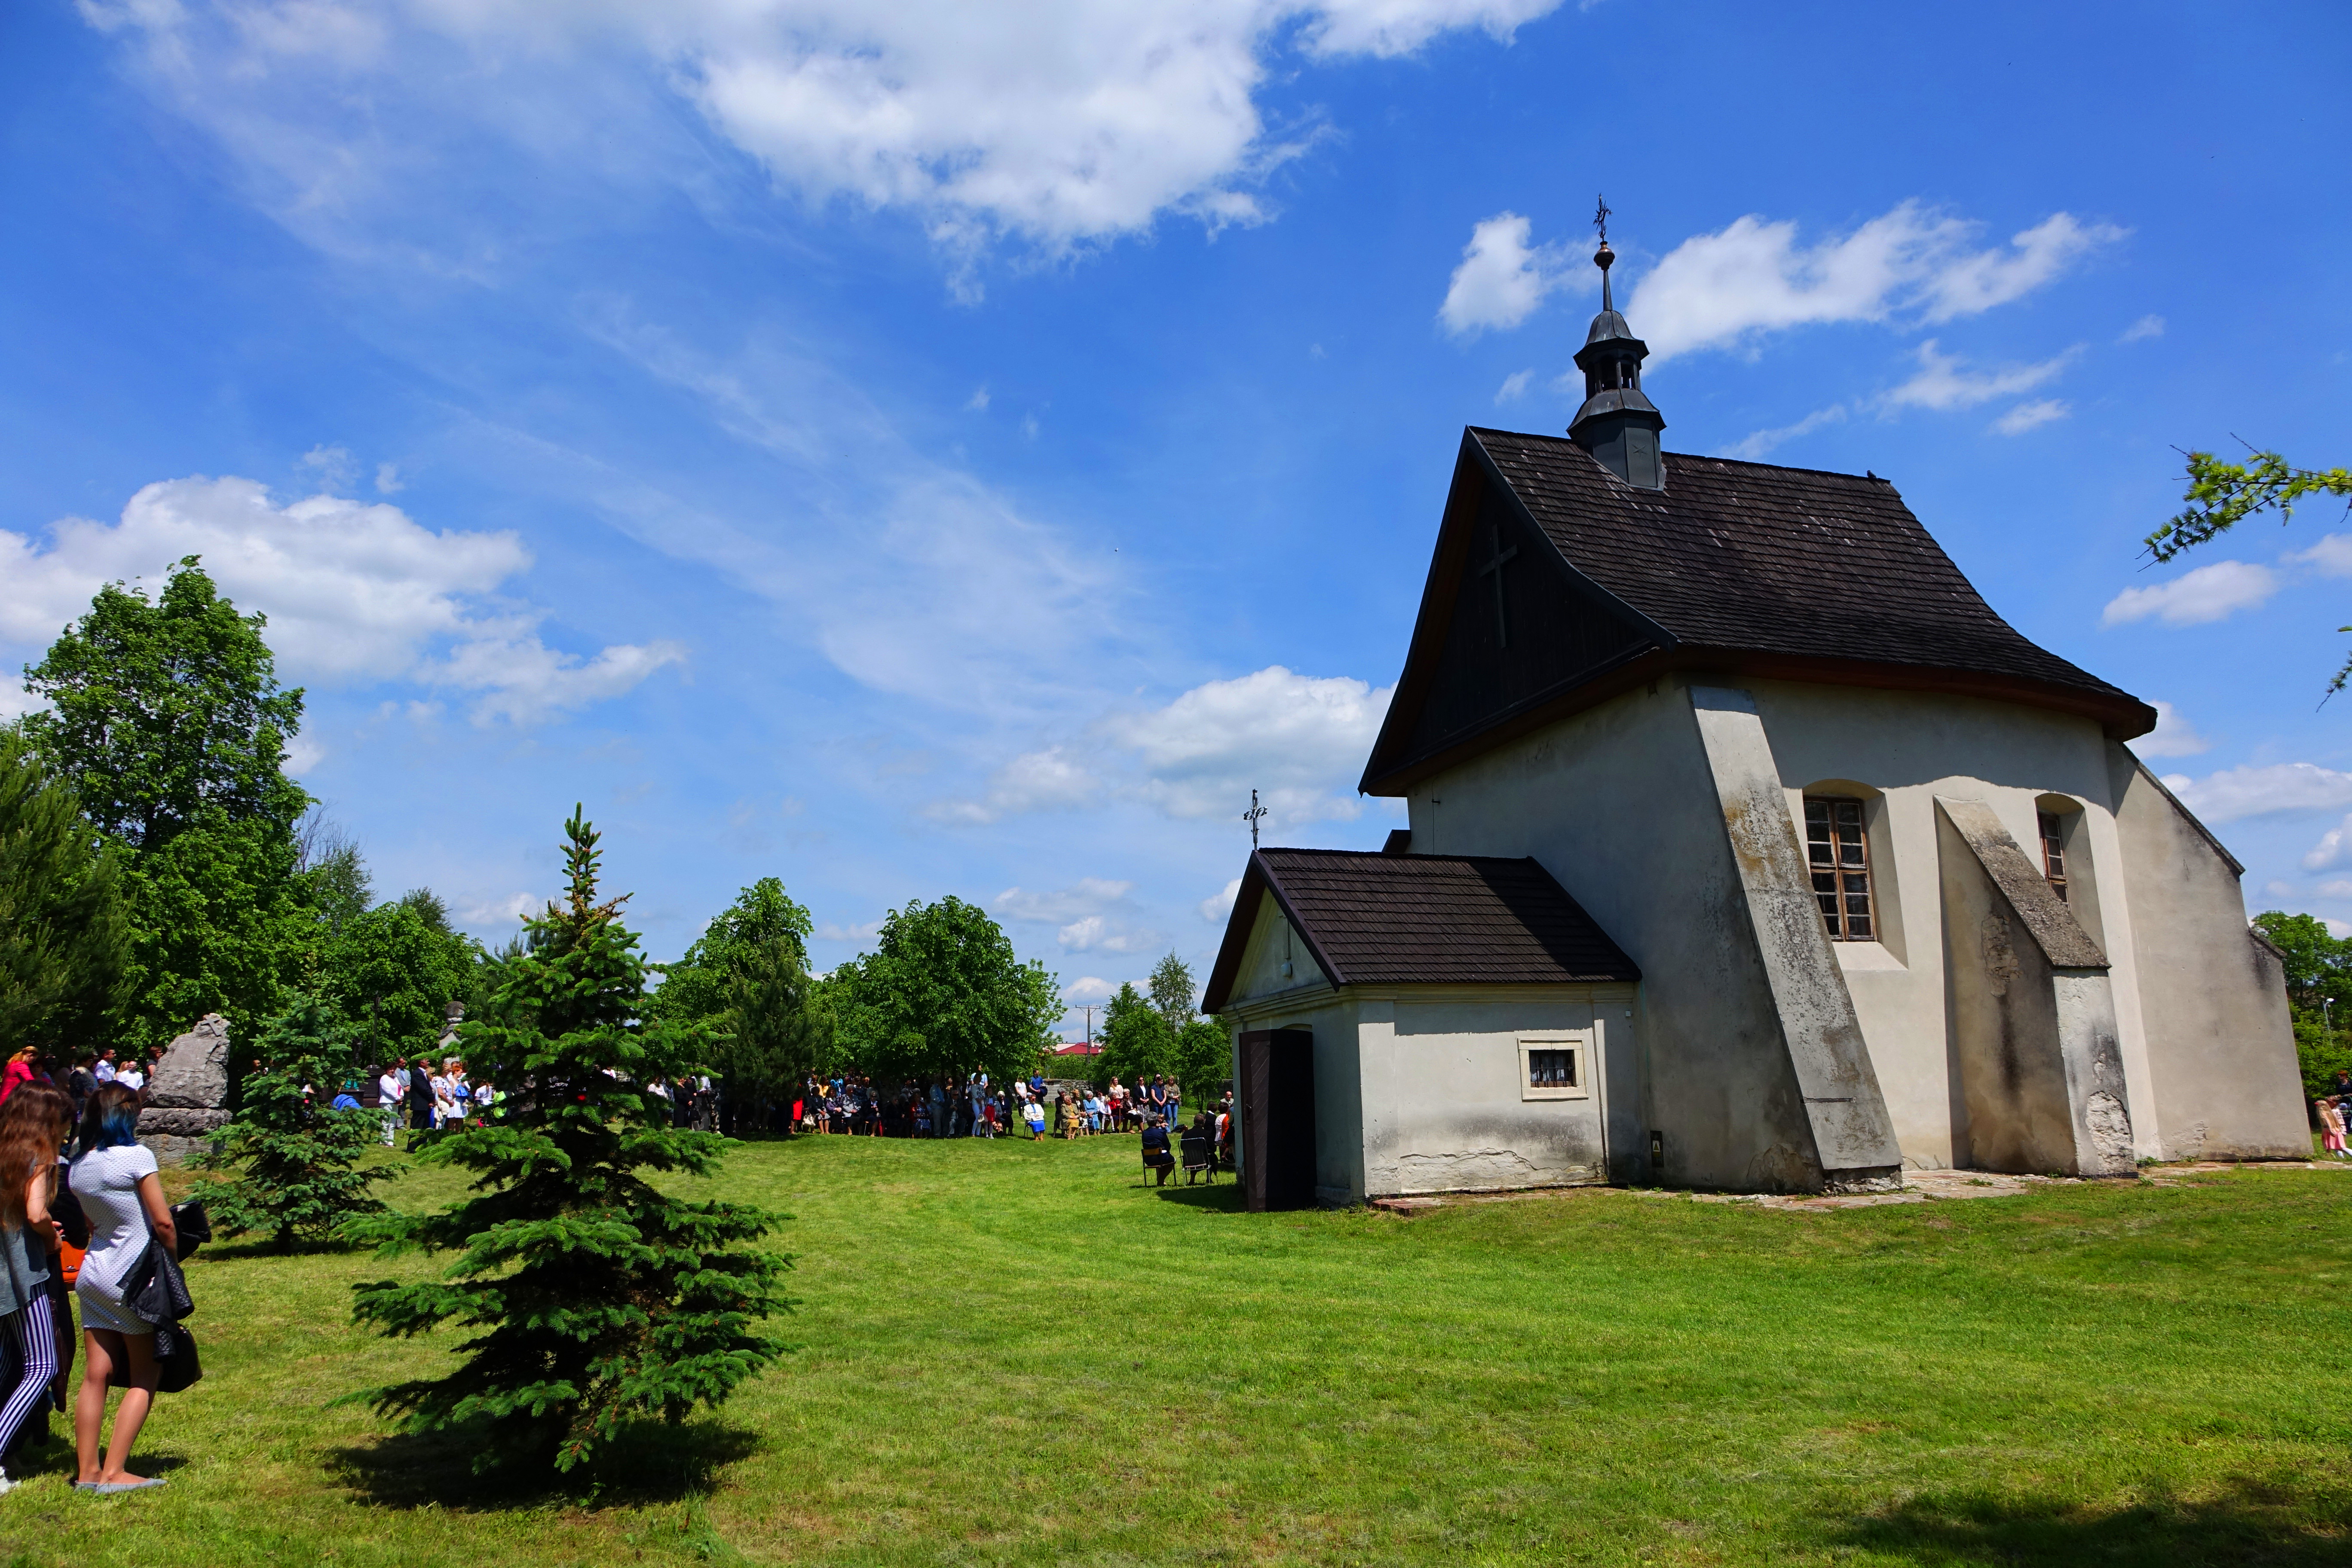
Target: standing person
x: 2331, y: 1127
x: 1155, y: 1100
x: 387, y: 1098
x: 420, y: 1095
x: 19, y: 1070
x: 132, y: 1075
x: 1175, y: 1104
x: 938, y: 1100
x: 82, y: 1083
x: 116, y: 1182
x: 1118, y: 1105
x: 33, y: 1127
x: 104, y: 1067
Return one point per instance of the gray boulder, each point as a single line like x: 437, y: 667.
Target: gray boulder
x: 194, y: 1072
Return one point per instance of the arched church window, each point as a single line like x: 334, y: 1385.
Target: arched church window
x: 1838, y: 855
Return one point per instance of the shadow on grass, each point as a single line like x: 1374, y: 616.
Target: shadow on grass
x: 1225, y: 1198
x: 651, y: 1463
x: 2251, y: 1524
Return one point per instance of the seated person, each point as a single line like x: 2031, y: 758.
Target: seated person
x: 1156, y: 1155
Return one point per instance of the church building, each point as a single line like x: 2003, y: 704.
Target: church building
x: 1748, y: 849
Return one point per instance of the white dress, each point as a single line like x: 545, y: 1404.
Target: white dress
x: 107, y: 1182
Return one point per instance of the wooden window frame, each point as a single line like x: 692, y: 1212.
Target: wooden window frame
x: 2052, y: 828
x: 1578, y: 1044
x: 1840, y: 921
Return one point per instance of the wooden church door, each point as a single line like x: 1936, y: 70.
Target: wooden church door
x: 1277, y: 1105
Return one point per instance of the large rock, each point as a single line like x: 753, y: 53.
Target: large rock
x: 194, y: 1072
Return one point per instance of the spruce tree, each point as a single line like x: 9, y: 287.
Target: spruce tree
x: 296, y: 1159
x: 596, y: 1299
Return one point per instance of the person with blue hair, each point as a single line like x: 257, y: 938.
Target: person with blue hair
x: 115, y: 1180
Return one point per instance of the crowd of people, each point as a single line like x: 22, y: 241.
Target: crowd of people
x: 854, y: 1105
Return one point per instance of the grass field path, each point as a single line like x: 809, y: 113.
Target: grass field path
x: 1019, y: 1354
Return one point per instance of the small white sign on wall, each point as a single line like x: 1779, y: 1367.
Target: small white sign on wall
x: 1555, y: 1065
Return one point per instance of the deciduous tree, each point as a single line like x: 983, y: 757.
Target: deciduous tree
x: 2222, y: 495
x: 64, y: 943
x: 944, y: 992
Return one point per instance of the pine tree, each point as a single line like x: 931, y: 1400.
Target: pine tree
x: 298, y: 1160
x: 598, y: 1299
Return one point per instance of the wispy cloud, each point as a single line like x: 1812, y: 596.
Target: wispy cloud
x: 2279, y: 789
x: 1944, y: 382
x: 2173, y: 736
x: 1756, y: 444
x: 1514, y: 387
x: 2030, y: 416
x: 2211, y: 593
x: 1752, y: 278
x: 2144, y: 328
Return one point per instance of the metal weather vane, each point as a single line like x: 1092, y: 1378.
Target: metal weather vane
x: 1600, y: 219
x: 1252, y: 816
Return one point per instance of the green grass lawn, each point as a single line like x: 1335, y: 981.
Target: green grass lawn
x: 1017, y: 1353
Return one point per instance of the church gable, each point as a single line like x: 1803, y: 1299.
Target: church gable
x: 1506, y: 623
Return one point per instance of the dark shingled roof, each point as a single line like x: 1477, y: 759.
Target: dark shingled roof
x: 1738, y: 566
x: 1385, y: 920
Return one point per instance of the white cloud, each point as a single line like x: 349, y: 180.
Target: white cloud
x: 334, y: 465
x: 2280, y: 787
x: 1059, y: 120
x: 2338, y: 889
x: 1514, y: 387
x: 2173, y: 736
x: 353, y: 590
x: 1218, y: 907
x: 2211, y: 593
x: 1299, y: 740
x: 387, y: 479
x: 1754, y: 446
x: 1036, y: 780
x: 977, y: 402
x: 2334, y: 849
x: 834, y: 931
x: 1088, y: 895
x: 2145, y: 327
x: 1104, y: 934
x: 1941, y: 383
x: 511, y: 910
x: 2028, y: 415
x: 1500, y: 280
x: 2278, y: 890
x: 303, y: 755
x: 1088, y: 988
x: 1751, y: 279
x: 2330, y: 557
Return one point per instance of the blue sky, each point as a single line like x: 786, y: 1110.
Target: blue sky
x: 965, y: 449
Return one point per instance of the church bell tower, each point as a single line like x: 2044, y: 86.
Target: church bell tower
x: 1618, y: 424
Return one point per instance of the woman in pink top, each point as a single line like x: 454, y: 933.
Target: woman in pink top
x: 20, y: 1070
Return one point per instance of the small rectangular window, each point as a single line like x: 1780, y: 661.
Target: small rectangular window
x: 1554, y: 1067
x: 1839, y: 856
x: 2053, y: 852
x: 1551, y: 1069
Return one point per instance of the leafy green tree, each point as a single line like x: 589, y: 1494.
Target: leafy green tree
x: 1136, y: 1037
x: 166, y: 718
x: 64, y: 944
x: 2318, y: 979
x: 2222, y: 495
x: 1172, y: 990
x: 747, y: 977
x: 942, y: 993
x: 1204, y: 1060
x: 334, y: 874
x: 596, y: 1298
x: 394, y: 970
x: 296, y: 1159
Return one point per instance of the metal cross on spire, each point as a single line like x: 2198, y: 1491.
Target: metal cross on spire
x: 1600, y: 219
x: 1252, y: 816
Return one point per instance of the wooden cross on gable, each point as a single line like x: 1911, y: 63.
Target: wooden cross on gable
x: 1502, y: 558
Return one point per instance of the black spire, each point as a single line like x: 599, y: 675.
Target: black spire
x: 1618, y: 424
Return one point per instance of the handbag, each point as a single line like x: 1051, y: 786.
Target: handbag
x: 176, y: 1369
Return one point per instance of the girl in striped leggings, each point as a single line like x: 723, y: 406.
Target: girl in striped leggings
x: 33, y: 1124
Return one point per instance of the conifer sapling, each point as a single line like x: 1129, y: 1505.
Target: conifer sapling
x: 296, y: 1159
x: 596, y: 1298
